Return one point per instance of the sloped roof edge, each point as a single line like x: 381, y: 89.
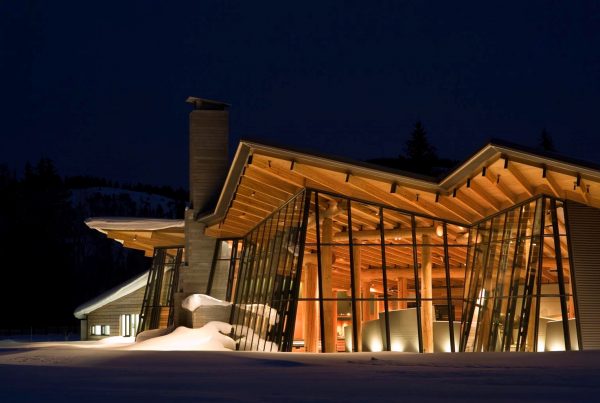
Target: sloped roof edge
x: 493, y: 150
x: 111, y: 295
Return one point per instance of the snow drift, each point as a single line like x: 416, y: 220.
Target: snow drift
x: 210, y: 337
x: 195, y: 301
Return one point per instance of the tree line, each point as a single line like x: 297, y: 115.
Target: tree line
x: 50, y: 260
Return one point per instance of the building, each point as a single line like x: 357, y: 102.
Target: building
x: 146, y: 301
x: 324, y: 254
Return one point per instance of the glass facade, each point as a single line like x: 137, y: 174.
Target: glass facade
x: 389, y: 279
x: 268, y: 279
x: 518, y: 291
x: 223, y: 276
x: 157, y: 307
x: 328, y: 273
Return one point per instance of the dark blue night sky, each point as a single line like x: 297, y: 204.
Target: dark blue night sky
x: 99, y: 87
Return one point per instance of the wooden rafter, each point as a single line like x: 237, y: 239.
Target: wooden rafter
x: 552, y: 184
x: 468, y: 203
x: 266, y: 188
x: 268, y: 177
x: 452, y: 208
x: 280, y: 169
x: 504, y: 190
x: 326, y: 182
x: 583, y: 190
x: 422, y: 205
x: 481, y: 194
x: 519, y: 178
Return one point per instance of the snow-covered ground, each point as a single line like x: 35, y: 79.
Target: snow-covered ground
x: 59, y: 372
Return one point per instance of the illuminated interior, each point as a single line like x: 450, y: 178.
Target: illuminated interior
x: 337, y: 256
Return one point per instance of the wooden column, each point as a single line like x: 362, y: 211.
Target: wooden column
x: 366, y: 305
x: 426, y: 295
x: 329, y: 307
x: 311, y: 320
x: 356, y: 252
x: 402, y: 292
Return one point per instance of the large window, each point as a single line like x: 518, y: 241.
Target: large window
x: 377, y: 278
x: 223, y: 275
x: 100, y: 330
x: 518, y: 294
x: 268, y: 279
x: 157, y: 307
x: 129, y: 325
x: 328, y: 273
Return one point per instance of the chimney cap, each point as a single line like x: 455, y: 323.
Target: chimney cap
x: 207, y: 104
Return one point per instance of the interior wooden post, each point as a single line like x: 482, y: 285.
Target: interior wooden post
x: 426, y: 295
x: 329, y: 307
x: 311, y: 321
x: 366, y: 305
x: 356, y: 293
x: 402, y: 292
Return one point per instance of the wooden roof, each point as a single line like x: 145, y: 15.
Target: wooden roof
x: 140, y: 233
x: 263, y: 177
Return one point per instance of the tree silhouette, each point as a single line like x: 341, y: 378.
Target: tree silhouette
x: 546, y: 143
x: 420, y: 153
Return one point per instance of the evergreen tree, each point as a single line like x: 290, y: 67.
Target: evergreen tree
x: 420, y: 153
x: 546, y: 143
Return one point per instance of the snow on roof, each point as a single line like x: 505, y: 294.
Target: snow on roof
x: 104, y: 224
x: 111, y: 295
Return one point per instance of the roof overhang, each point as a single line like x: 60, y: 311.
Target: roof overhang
x: 140, y: 233
x: 495, y: 177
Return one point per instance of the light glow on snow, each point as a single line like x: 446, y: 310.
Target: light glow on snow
x: 209, y: 337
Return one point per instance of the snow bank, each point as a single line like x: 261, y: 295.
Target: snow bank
x: 194, y: 301
x: 263, y: 310
x: 250, y: 341
x: 206, y: 338
x: 149, y: 334
x: 116, y: 340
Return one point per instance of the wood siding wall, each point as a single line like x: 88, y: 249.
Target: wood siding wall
x: 584, y: 230
x: 110, y: 314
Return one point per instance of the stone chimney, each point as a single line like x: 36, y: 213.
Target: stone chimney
x: 209, y: 132
x: 209, y: 160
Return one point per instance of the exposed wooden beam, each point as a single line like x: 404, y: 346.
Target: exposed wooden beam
x: 452, y: 208
x: 468, y: 203
x: 249, y: 200
x: 379, y: 195
x: 282, y: 169
x: 519, y: 178
x: 480, y: 192
x: 266, y: 187
x: 583, y: 189
x: 169, y: 239
x: 236, y: 211
x: 268, y: 177
x: 550, y: 180
x: 325, y: 181
x: 249, y: 189
x: 421, y: 205
x: 494, y: 180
